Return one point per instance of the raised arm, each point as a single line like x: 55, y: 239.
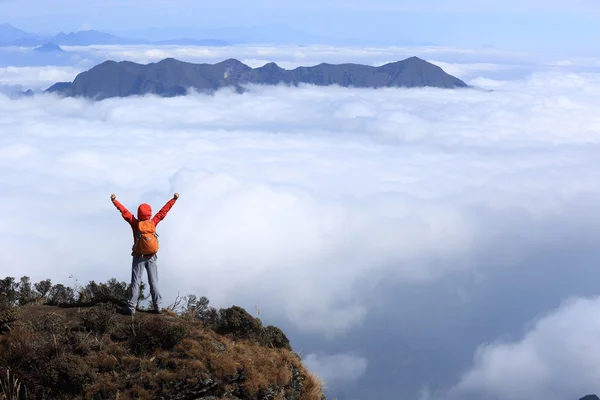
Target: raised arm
x: 163, y: 211
x: 127, y: 216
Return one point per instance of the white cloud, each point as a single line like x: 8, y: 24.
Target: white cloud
x: 37, y: 78
x: 557, y: 359
x: 297, y: 200
x: 342, y: 367
x: 462, y: 71
x: 291, y: 56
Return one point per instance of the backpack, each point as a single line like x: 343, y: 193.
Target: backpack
x: 146, y: 239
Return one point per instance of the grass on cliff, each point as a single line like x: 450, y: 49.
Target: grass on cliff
x: 60, y: 342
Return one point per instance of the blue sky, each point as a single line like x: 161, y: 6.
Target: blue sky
x: 533, y: 25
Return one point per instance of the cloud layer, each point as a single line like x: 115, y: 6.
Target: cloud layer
x: 556, y: 359
x: 342, y: 367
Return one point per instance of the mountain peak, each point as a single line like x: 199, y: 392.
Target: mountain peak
x: 232, y: 62
x: 271, y: 65
x: 176, y: 77
x: 50, y: 47
x: 170, y: 60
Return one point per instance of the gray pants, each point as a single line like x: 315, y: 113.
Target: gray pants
x: 137, y: 270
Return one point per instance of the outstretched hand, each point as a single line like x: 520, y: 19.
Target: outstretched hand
x: 176, y: 196
x: 113, y: 197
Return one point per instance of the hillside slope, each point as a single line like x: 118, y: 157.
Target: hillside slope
x: 63, y: 343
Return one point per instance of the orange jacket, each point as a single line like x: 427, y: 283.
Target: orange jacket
x: 144, y: 213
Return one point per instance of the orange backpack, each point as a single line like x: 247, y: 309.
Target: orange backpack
x: 146, y: 240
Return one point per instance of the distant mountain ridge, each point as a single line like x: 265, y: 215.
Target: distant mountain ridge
x: 49, y: 48
x: 171, y: 77
x: 11, y: 36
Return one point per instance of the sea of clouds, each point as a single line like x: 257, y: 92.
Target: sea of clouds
x: 299, y: 204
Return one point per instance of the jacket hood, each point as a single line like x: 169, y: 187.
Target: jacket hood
x: 144, y: 212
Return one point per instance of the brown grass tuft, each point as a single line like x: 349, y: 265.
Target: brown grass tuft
x: 313, y: 387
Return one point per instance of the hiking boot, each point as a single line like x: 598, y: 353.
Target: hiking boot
x: 124, y: 311
x: 156, y: 311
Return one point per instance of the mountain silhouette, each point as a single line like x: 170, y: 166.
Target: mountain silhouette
x: 12, y: 36
x: 49, y: 48
x: 171, y: 77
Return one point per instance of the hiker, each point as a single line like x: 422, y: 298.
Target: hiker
x: 144, y: 250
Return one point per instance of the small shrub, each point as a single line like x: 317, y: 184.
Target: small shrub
x: 99, y: 318
x: 103, y: 388
x: 121, y: 331
x: 107, y: 362
x: 238, y: 322
x: 194, y: 308
x: 26, y: 294
x: 272, y: 336
x: 112, y: 291
x: 51, y: 323
x: 61, y: 295
x: 82, y: 343
x: 18, y: 293
x: 7, y: 315
x: 209, y: 317
x: 67, y: 374
x: 8, y: 291
x: 156, y: 333
x: 42, y: 288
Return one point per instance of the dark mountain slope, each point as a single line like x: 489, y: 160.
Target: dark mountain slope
x: 171, y: 77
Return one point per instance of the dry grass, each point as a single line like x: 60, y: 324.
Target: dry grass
x: 313, y: 387
x: 11, y: 388
x: 63, y: 353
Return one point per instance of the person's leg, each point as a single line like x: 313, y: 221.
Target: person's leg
x: 137, y: 270
x: 152, y: 269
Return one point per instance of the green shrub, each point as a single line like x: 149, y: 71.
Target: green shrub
x: 238, y: 322
x: 42, y: 288
x: 50, y: 323
x: 99, y: 318
x: 61, y: 295
x: 272, y: 336
x: 67, y: 374
x: 22, y: 293
x: 195, y: 308
x: 112, y: 291
x: 8, y: 314
x: 8, y: 291
x: 26, y: 294
x: 151, y: 334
